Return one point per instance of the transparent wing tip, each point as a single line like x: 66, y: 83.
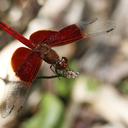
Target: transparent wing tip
x: 103, y: 32
x: 83, y: 24
x: 111, y: 29
x: 90, y: 21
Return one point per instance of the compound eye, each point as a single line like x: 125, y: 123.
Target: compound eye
x: 65, y: 65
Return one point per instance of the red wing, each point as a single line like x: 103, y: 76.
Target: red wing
x: 66, y: 35
x: 26, y: 64
x: 69, y: 34
x: 44, y: 36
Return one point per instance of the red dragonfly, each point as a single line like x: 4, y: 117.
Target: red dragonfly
x: 26, y: 62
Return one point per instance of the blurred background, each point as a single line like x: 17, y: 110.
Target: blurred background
x: 98, y: 98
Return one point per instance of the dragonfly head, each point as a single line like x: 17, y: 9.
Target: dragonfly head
x: 62, y: 63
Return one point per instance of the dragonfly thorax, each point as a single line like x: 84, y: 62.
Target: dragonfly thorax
x: 51, y: 57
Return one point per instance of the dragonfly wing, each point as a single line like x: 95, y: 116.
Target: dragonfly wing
x: 26, y: 64
x: 44, y: 36
x: 68, y: 35
x: 65, y: 36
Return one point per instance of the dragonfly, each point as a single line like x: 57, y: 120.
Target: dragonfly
x: 26, y: 62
